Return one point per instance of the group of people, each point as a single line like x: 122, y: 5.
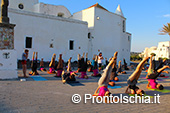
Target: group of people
x: 109, y: 75
x: 152, y: 75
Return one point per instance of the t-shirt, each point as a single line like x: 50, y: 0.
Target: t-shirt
x: 153, y: 83
x: 24, y: 56
x: 103, y: 90
x: 100, y: 60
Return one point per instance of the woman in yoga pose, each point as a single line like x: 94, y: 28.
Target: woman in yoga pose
x: 103, y: 82
x: 52, y: 64
x: 161, y: 64
x: 34, y: 64
x: 95, y: 68
x: 79, y: 63
x: 82, y: 66
x: 106, y: 62
x: 120, y: 68
x: 69, y: 75
x: 42, y: 65
x: 132, y: 80
x: 114, y: 74
x: 59, y: 66
x: 153, y: 74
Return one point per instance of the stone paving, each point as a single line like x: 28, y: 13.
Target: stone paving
x: 52, y: 96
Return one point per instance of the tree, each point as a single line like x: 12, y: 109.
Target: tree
x: 165, y: 29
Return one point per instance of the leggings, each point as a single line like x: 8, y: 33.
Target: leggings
x: 95, y: 66
x: 51, y: 69
x: 154, y: 75
x: 113, y: 73
x: 79, y: 63
x: 83, y: 74
x: 159, y: 66
x: 120, y: 69
x: 59, y: 72
x: 84, y: 65
x: 105, y: 78
x: 34, y: 65
x: 95, y: 72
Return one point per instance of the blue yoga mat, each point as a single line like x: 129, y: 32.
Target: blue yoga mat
x: 38, y: 78
x: 115, y: 81
x: 114, y: 87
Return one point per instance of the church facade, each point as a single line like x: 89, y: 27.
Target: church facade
x: 49, y: 29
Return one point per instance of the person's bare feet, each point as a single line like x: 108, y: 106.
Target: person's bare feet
x: 115, y: 54
x: 86, y: 55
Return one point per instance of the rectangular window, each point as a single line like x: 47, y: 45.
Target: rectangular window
x: 28, y: 42
x: 128, y: 38
x: 123, y: 26
x: 71, y: 45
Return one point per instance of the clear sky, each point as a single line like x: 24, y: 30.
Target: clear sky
x: 144, y: 17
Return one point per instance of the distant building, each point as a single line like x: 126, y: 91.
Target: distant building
x: 162, y: 51
x: 50, y: 29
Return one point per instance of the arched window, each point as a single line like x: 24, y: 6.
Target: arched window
x: 60, y: 14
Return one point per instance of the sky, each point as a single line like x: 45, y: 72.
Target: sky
x: 144, y: 17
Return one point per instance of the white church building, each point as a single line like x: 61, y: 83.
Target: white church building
x: 49, y: 29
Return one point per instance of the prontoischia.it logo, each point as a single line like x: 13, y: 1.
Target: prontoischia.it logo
x: 76, y: 98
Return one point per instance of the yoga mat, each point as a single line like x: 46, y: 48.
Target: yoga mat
x: 57, y: 76
x: 50, y: 73
x: 162, y: 91
x: 114, y: 87
x: 38, y: 78
x: 96, y: 76
x: 74, y: 83
x: 165, y: 77
x: 160, y: 80
x: 115, y: 81
x: 144, y: 95
x: 156, y: 79
x: 83, y: 78
x: 143, y: 82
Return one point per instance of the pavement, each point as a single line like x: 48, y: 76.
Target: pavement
x: 52, y: 96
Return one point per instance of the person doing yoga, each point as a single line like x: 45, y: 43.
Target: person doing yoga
x: 52, y: 64
x: 69, y: 75
x: 132, y: 80
x: 103, y: 82
x: 82, y: 66
x: 59, y: 66
x: 114, y: 74
x: 34, y: 64
x: 42, y: 65
x: 153, y: 74
x: 95, y: 68
x: 120, y: 68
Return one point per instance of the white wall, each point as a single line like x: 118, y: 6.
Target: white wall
x: 164, y: 49
x: 107, y: 30
x: 35, y: 6
x: 52, y: 9
x: 109, y: 36
x: 86, y: 15
x: 28, y: 4
x: 44, y: 28
x: 8, y: 66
